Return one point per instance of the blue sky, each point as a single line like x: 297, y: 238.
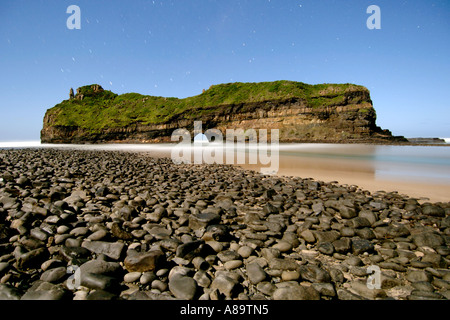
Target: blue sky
x: 177, y: 48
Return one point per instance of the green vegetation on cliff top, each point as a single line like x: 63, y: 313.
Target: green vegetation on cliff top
x: 105, y: 109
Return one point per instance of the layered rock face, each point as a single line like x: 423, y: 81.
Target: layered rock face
x: 332, y: 114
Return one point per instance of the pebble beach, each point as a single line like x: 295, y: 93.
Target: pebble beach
x: 112, y: 225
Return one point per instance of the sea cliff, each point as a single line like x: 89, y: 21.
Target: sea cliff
x: 301, y: 112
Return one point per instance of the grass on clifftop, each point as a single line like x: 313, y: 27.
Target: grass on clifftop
x: 105, y: 109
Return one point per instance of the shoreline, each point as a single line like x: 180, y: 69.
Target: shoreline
x: 346, y: 172
x: 139, y: 227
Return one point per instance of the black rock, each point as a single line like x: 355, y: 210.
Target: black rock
x: 326, y: 248
x: 428, y: 239
x: 360, y: 246
x: 433, y: 210
x: 41, y: 290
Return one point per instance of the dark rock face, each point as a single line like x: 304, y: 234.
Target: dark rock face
x: 91, y: 225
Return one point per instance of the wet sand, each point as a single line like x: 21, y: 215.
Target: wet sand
x: 359, y: 173
x: 362, y: 165
x: 369, y: 167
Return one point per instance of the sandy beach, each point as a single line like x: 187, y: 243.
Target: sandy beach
x: 369, y: 167
x: 363, y: 175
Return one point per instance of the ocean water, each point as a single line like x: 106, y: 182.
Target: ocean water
x: 430, y: 164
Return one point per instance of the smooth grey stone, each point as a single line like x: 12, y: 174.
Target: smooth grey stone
x: 346, y: 212
x: 358, y: 271
x: 418, y: 276
x: 98, y: 235
x: 283, y: 246
x: 41, y: 290
x: 435, y: 259
x: 360, y: 222
x: 308, y: 235
x: 158, y: 284
x: 291, y: 238
x: 61, y: 238
x: 4, y: 266
x: 245, y: 251
x: 39, y: 234
x: 326, y: 248
x: 79, y: 231
x: 313, y: 273
x: 101, y: 267
x: 186, y: 248
x: 326, y: 236
x: 233, y: 264
x: 296, y: 292
x: 428, y: 239
x: 51, y: 264
x: 378, y: 205
x: 369, y: 215
x: 266, y: 287
x: 98, y: 281
x: 112, y: 250
x: 318, y: 207
x: 420, y: 264
x: 183, y: 287
x: 132, y: 277
x: 99, y: 295
x: 75, y: 254
x: 443, y: 251
x: 441, y: 283
x: 179, y: 271
x: 255, y: 273
x: 344, y: 294
x: 228, y: 255
x: 288, y: 275
x: 202, y: 220
x: 347, y: 232
x: 71, y: 242
x: 202, y: 278
x: 269, y: 209
x: 337, y: 276
x: 423, y: 286
x: 54, y: 275
x: 162, y: 272
x: 325, y: 289
x: 147, y: 277
x: 159, y: 232
x: 360, y: 246
x: 392, y: 266
x: 200, y: 263
x: 283, y: 264
x: 342, y: 245
x: 170, y: 244
x: 144, y: 261
x: 396, y: 230
x: 424, y: 295
x: 433, y: 210
x: 62, y: 229
x: 365, y: 233
x: 225, y: 285
x: 362, y: 289
x: 353, y: 261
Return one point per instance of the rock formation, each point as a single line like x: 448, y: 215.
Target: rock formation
x: 301, y: 112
